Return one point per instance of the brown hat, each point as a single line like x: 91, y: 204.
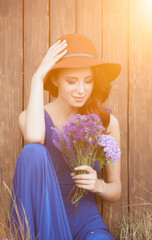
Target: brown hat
x: 82, y: 53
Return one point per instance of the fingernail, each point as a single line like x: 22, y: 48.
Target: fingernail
x: 64, y: 41
x: 75, y: 168
x: 59, y: 41
x: 73, y: 177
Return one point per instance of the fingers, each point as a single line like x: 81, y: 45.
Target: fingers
x: 60, y: 55
x: 56, y: 52
x: 85, y: 167
x: 84, y: 176
x: 60, y: 44
x: 57, y: 48
x: 55, y: 44
x: 72, y: 174
x: 86, y: 187
x: 84, y: 182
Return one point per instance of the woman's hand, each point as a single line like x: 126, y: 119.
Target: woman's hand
x: 86, y: 181
x: 55, y: 52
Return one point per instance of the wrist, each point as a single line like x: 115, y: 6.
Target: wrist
x: 37, y: 77
x: 101, y: 187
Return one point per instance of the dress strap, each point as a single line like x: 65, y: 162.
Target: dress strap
x: 108, y: 110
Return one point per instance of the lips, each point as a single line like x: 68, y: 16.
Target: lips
x: 79, y: 99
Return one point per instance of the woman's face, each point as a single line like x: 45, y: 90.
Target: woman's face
x: 75, y: 85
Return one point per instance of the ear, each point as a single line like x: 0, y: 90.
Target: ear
x: 54, y: 81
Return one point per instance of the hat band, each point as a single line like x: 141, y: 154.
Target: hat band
x: 78, y: 55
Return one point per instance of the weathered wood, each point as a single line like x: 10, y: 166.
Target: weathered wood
x: 11, y: 54
x: 36, y: 41
x: 62, y: 20
x: 115, y: 49
x: 140, y: 102
x: 89, y: 21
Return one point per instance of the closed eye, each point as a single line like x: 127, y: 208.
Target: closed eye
x: 74, y: 80
x: 89, y: 80
x: 71, y: 81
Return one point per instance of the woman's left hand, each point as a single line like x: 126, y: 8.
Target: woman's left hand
x: 88, y: 181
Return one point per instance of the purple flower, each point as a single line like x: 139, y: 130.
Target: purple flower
x: 82, y: 139
x: 110, y: 147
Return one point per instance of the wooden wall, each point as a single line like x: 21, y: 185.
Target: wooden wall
x: 122, y: 32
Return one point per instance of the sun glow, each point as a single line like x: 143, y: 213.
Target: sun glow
x: 142, y: 17
x: 146, y: 9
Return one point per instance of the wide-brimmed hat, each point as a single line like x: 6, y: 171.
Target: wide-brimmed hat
x: 82, y: 53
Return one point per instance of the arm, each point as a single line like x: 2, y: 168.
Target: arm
x: 112, y: 175
x: 31, y: 121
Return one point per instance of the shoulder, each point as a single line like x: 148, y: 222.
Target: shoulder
x: 113, y: 122
x: 21, y: 119
x: 114, y: 128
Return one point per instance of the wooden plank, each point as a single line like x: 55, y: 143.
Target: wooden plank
x: 115, y: 44
x: 36, y: 41
x: 140, y: 102
x: 89, y: 17
x: 62, y: 20
x: 10, y: 94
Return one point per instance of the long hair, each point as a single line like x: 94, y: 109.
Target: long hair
x: 99, y: 94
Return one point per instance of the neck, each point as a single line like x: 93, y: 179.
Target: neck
x: 64, y: 110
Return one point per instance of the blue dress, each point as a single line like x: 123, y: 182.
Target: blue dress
x: 42, y: 182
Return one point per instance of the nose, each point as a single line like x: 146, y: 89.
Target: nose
x: 80, y: 88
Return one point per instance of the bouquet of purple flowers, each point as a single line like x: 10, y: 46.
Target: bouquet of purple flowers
x: 82, y: 141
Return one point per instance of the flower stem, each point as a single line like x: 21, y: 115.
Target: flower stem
x: 75, y: 194
x: 71, y: 191
x: 78, y: 197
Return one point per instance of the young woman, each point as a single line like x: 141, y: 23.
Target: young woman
x: 79, y: 83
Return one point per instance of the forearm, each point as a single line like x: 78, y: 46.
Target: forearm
x: 112, y: 190
x: 35, y: 124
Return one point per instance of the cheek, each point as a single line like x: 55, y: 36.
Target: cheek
x: 69, y: 87
x: 90, y: 88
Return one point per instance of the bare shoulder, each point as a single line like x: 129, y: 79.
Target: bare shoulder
x: 21, y: 122
x: 21, y: 118
x: 113, y: 122
x: 114, y: 128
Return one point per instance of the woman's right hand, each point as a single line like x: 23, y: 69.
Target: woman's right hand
x: 54, y: 53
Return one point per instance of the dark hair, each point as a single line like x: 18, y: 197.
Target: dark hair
x: 99, y: 94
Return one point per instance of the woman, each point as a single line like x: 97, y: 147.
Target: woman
x: 80, y: 83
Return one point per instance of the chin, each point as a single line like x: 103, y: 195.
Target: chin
x: 79, y: 104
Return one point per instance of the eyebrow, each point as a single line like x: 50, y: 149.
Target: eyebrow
x: 77, y: 78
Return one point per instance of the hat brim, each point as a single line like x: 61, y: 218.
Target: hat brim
x: 111, y: 70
